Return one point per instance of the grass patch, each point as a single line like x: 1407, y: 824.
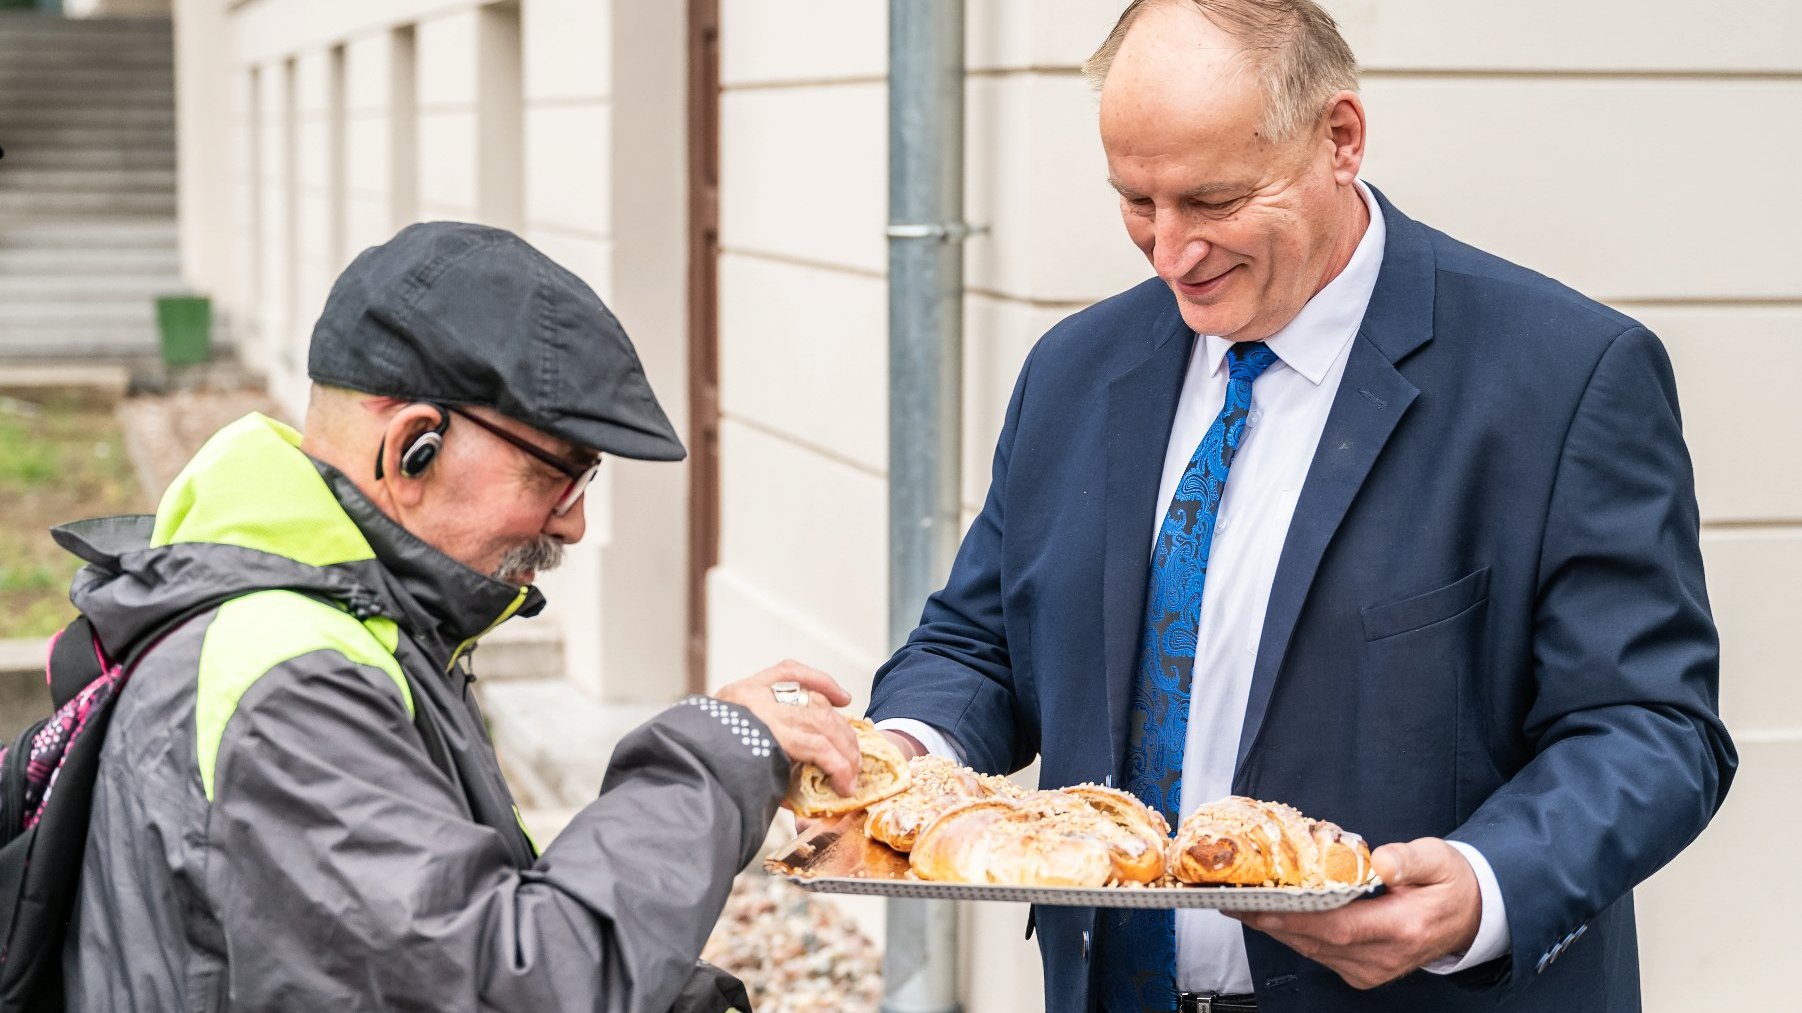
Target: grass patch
x: 62, y: 458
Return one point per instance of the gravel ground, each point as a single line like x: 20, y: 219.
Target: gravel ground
x: 162, y: 431
x: 795, y: 954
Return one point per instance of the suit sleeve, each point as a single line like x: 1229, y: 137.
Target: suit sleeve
x: 955, y: 672
x: 1631, y: 758
x: 345, y: 875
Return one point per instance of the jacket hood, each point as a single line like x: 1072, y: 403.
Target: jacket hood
x: 252, y: 512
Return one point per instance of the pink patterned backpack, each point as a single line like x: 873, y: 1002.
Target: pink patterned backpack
x: 46, y: 784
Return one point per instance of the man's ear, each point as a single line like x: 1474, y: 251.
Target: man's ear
x: 410, y: 443
x: 1345, y: 130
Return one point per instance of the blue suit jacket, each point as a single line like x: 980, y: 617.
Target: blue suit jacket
x: 1488, y: 621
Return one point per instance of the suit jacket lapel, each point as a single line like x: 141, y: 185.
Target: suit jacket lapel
x: 1141, y: 407
x: 1373, y: 396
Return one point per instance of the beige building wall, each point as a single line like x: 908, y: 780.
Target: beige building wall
x: 1630, y: 149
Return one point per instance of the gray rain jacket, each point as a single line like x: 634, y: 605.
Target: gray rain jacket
x: 274, y: 830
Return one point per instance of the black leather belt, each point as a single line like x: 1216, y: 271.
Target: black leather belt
x: 1214, y: 1002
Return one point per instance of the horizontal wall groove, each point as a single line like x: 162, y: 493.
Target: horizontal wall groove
x: 801, y: 443
x: 569, y: 231
x: 1366, y: 73
x: 1783, y: 525
x: 1577, y: 74
x: 802, y: 82
x: 1031, y: 70
x: 808, y: 262
x: 1767, y: 736
x: 568, y: 102
x: 1708, y: 302
x: 1032, y: 302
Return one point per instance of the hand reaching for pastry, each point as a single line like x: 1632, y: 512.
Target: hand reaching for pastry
x: 910, y: 747
x: 814, y: 733
x: 1430, y: 907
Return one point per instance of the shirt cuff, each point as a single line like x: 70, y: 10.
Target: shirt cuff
x: 936, y: 742
x: 1493, y: 938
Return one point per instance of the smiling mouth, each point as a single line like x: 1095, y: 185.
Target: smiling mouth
x: 1201, y: 289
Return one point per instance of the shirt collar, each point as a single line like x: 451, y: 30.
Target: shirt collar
x: 1310, y: 343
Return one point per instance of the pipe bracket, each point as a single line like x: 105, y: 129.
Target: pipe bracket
x: 953, y: 232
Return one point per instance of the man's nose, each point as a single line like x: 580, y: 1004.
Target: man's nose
x: 570, y: 527
x: 1176, y: 248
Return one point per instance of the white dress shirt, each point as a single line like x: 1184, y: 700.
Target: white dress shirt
x: 1289, y: 407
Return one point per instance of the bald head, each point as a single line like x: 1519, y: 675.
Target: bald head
x: 1290, y: 51
x: 1177, y: 68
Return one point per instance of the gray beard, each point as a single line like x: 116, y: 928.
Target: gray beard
x: 536, y: 556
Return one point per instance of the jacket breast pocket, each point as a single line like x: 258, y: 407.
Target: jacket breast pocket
x: 1423, y: 610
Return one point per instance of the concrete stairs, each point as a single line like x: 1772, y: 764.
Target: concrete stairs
x: 87, y: 185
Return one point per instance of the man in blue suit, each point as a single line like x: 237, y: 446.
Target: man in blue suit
x: 1343, y: 513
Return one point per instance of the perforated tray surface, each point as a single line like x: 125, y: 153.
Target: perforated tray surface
x: 834, y: 856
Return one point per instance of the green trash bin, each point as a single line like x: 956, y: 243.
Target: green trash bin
x: 186, y: 322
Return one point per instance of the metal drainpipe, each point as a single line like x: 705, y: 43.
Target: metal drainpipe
x: 925, y: 247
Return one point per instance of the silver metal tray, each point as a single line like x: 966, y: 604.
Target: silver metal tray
x: 834, y: 856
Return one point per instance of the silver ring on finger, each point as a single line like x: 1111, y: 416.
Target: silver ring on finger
x: 790, y: 693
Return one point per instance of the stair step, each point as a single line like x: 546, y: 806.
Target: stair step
x: 38, y: 262
x: 16, y: 118
x: 121, y: 233
x: 14, y: 203
x: 133, y: 42
x: 32, y: 21
x: 105, y: 77
x: 85, y: 33
x: 77, y: 342
x: 86, y: 289
x: 140, y: 45
x: 60, y: 180
x: 78, y: 94
x: 77, y: 309
x: 66, y: 157
x: 58, y: 62
x: 152, y: 138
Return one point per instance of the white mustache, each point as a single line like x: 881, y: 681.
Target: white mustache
x: 536, y: 556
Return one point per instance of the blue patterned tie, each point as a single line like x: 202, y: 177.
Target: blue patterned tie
x: 1137, y: 949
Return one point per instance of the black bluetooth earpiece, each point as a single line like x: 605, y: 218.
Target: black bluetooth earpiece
x: 419, y: 454
x: 418, y: 457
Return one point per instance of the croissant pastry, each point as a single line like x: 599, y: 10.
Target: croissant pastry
x: 1048, y: 838
x: 883, y: 773
x: 936, y: 785
x: 1241, y: 841
x: 1143, y: 836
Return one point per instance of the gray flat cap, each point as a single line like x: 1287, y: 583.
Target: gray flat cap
x: 467, y: 314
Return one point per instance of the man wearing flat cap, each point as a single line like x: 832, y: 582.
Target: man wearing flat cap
x: 297, y: 806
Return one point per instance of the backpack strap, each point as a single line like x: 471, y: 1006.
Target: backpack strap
x: 74, y: 661
x: 78, y: 657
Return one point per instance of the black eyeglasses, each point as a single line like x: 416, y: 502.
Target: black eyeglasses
x: 579, y: 475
